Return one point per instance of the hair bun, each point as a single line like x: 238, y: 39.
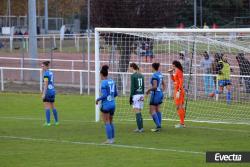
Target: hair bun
x: 46, y: 63
x: 105, y: 67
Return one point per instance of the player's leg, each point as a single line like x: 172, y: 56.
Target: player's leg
x: 139, y: 120
x: 158, y: 107
x: 112, y: 127
x: 55, y: 113
x: 221, y: 84
x: 211, y: 84
x: 159, y: 114
x: 108, y: 128
x: 155, y: 118
x: 179, y: 102
x: 206, y: 84
x: 228, y: 96
x: 152, y: 109
x: 181, y: 112
x: 137, y: 107
x: 47, y: 112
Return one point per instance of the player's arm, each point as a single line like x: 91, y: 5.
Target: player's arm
x: 171, y: 71
x: 132, y: 89
x: 45, y: 86
x: 164, y: 86
x: 143, y: 84
x: 219, y: 67
x: 179, y: 86
x: 132, y: 86
x: 104, y: 95
x: 115, y: 93
x: 181, y: 81
x: 154, y: 87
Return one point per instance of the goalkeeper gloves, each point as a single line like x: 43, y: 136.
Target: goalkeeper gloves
x: 131, y: 100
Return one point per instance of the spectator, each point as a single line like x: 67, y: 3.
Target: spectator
x: 244, y: 65
x: 223, y: 77
x: 215, y: 66
x: 149, y: 51
x: 206, y: 66
x: 26, y: 33
x: 205, y: 26
x: 67, y: 31
x: 20, y: 32
x: 185, y: 62
x: 1, y: 44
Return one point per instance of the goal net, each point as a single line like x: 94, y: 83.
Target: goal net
x: 199, y: 51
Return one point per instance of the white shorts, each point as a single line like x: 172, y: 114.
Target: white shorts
x: 138, y: 101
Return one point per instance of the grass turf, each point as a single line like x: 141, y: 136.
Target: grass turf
x: 76, y: 141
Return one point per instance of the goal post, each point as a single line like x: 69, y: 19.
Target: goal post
x: 118, y: 47
x: 97, y: 75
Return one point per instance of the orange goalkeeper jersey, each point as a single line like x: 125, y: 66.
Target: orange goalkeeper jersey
x: 177, y: 77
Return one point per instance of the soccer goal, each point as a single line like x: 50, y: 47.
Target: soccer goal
x: 118, y: 47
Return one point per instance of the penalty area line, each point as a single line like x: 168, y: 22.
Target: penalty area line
x: 103, y: 145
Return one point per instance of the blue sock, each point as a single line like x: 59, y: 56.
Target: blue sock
x: 228, y: 97
x: 47, y: 111
x: 108, y: 130
x: 112, y: 130
x: 55, y: 115
x: 156, y: 120
x: 159, y: 116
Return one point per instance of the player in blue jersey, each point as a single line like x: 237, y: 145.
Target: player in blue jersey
x: 109, y: 92
x: 49, y: 93
x: 156, y: 95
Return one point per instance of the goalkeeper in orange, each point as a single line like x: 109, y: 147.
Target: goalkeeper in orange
x: 177, y: 76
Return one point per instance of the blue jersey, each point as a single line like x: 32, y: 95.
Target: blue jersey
x: 158, y: 77
x: 109, y: 92
x: 48, y: 76
x: 156, y: 97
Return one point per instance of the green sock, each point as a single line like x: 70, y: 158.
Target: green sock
x: 139, y: 120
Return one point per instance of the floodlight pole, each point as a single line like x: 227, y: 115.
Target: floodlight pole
x: 195, y: 13
x: 88, y: 46
x: 32, y: 32
x: 201, y: 20
x: 9, y: 13
x: 46, y: 24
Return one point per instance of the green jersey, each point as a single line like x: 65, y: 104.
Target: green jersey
x: 225, y: 71
x: 137, y: 84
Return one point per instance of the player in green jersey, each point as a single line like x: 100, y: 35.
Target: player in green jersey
x: 137, y: 95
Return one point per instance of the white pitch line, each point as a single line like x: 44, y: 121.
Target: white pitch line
x: 129, y: 122
x: 125, y: 122
x: 38, y: 119
x: 107, y: 145
x: 219, y: 129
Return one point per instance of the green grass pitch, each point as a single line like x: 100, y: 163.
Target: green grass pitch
x: 77, y: 140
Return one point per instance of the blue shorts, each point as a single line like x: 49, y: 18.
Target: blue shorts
x: 49, y: 98
x: 108, y: 108
x: 156, y: 98
x: 223, y: 83
x: 110, y: 111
